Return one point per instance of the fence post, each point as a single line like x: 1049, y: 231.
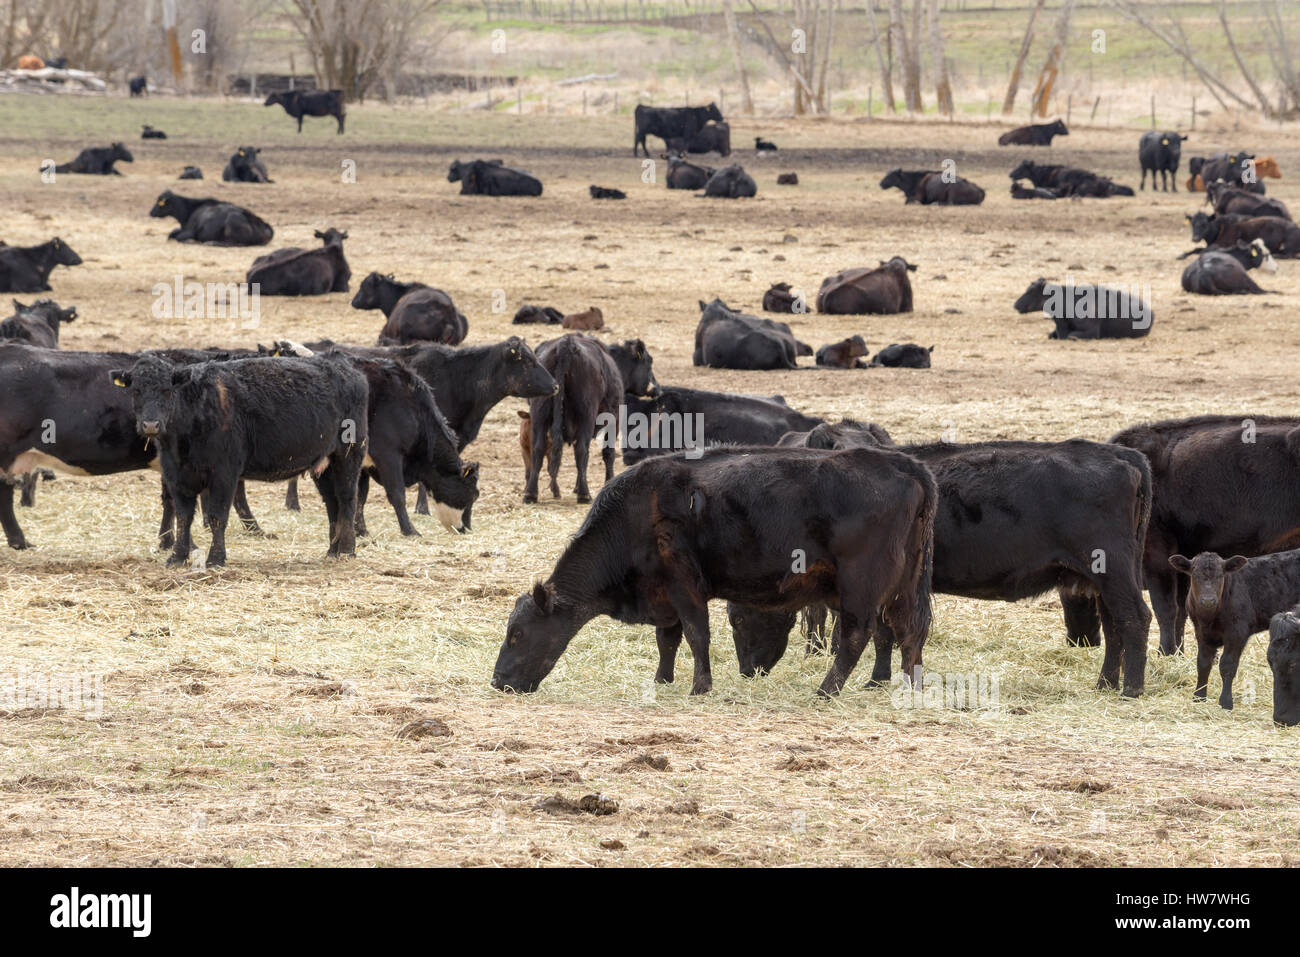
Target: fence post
x: 1153, y: 111
x: 1193, y: 111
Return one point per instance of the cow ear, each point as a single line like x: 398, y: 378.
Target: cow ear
x: 1180, y: 563
x: 121, y: 378
x: 318, y: 234
x: 181, y: 376
x: 1234, y: 564
x: 544, y: 598
x: 469, y: 470
x: 702, y: 305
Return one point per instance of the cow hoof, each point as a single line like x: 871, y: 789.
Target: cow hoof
x: 875, y: 683
x: 663, y: 680
x: 19, y: 545
x: 530, y: 499
x: 412, y: 533
x: 1107, y: 684
x: 584, y: 499
x: 702, y: 687
x: 1132, y: 691
x: 177, y: 562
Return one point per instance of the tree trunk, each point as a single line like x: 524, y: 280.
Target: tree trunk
x: 733, y: 40
x: 1052, y: 66
x: 1013, y: 87
x: 898, y: 39
x: 942, y: 85
x: 886, y: 74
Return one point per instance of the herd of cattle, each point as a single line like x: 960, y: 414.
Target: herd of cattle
x: 776, y: 512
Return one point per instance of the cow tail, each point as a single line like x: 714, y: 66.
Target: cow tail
x: 915, y: 597
x: 562, y: 355
x: 1142, y: 516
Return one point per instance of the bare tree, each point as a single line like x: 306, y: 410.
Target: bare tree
x: 886, y: 69
x: 809, y: 56
x: 907, y: 62
x: 1052, y: 66
x: 733, y: 40
x: 1013, y: 85
x: 942, y: 85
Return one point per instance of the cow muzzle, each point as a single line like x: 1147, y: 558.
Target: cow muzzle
x: 151, y: 429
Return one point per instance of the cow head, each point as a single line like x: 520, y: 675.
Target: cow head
x: 898, y: 265
x: 1260, y: 257
x: 521, y: 374
x: 283, y: 97
x: 167, y: 204
x: 367, y: 296
x: 63, y: 254
x: 1024, y: 171
x: 761, y: 637
x: 1284, y: 661
x: 1058, y: 129
x: 636, y: 366
x: 1032, y: 299
x: 894, y: 178
x: 1268, y: 167
x: 456, y: 171
x: 1203, y: 226
x: 160, y: 392
x: 120, y: 152
x: 48, y: 310
x: 540, y: 628
x: 331, y: 236
x: 712, y: 112
x: 453, y: 491
x: 1207, y: 572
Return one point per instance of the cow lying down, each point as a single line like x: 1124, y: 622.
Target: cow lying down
x: 1087, y: 311
x: 1223, y: 272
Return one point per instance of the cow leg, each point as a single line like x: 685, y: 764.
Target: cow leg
x: 581, y: 452
x: 326, y: 489
x: 346, y: 470
x: 1125, y: 621
x: 421, y: 500
x: 1164, y: 602
x: 538, y: 452
x: 300, y: 124
x: 363, y: 491
x: 852, y: 643
x: 607, y: 453
x: 1227, y: 672
x: 1173, y: 180
x: 1082, y: 623
x: 695, y: 625
x: 881, y: 671
x: 13, y: 533
x: 245, y: 513
x: 669, y: 640
x: 184, y: 505
x: 291, y: 496
x: 1205, y: 655
x: 28, y: 497
x: 340, y: 119
x: 1143, y: 184
x: 220, y: 499
x: 166, y: 527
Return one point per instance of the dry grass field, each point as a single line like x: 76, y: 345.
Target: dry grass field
x: 251, y: 715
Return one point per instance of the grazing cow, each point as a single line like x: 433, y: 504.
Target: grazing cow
x: 98, y: 161
x: 1068, y: 180
x: 685, y: 175
x: 864, y: 291
x: 787, y: 179
x: 930, y: 187
x: 1087, y: 311
x: 484, y: 178
x: 191, y: 172
x: 1233, y: 200
x: 589, y: 320
x: 1210, y: 473
x: 1284, y: 661
x: 149, y: 133
x: 1230, y: 600
x: 604, y: 192
x: 780, y: 299
x: 1031, y: 192
x: 211, y: 221
x: 844, y: 355
x: 415, y: 312
x: 731, y: 182
x: 764, y: 146
x: 1160, y: 153
x: 30, y: 61
x: 138, y: 85
x: 546, y: 315
x: 1223, y: 272
x: 244, y: 166
x: 728, y: 419
x: 590, y: 385
x: 300, y: 103
x: 670, y: 123
x: 38, y: 323
x: 304, y: 272
x: 726, y: 339
x: 1038, y: 134
x: 665, y: 537
x: 218, y: 422
x: 1281, y: 236
x: 1017, y: 519
x: 712, y: 138
x: 906, y: 356
x: 410, y: 442
x: 28, y: 268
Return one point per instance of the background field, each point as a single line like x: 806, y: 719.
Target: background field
x: 251, y: 714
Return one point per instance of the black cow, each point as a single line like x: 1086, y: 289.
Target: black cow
x: 38, y: 323
x: 304, y: 272
x: 604, y: 192
x: 1032, y: 192
x: 492, y: 178
x: 545, y: 315
x: 149, y: 133
x: 1017, y: 519
x: 685, y: 175
x: 787, y: 179
x: 906, y: 356
x: 723, y: 418
x: 730, y: 182
x: 1233, y: 200
x: 98, y: 161
x: 1235, y: 168
x: 300, y: 103
x: 726, y: 339
x: 28, y: 268
x: 211, y: 221
x: 844, y: 355
x: 57, y: 62
x: 1068, y: 180
x: 1223, y: 272
x: 415, y: 312
x: 931, y: 187
x: 1230, y: 600
x: 764, y: 146
x: 268, y: 420
x: 712, y: 138
x: 191, y: 172
x: 1210, y: 475
x: 1281, y: 236
x: 864, y: 291
x: 590, y: 386
x: 780, y: 299
x: 1160, y: 153
x: 670, y: 123
x: 1284, y: 661
x: 665, y: 537
x: 635, y: 367
x: 1087, y: 311
x: 138, y: 85
x: 244, y: 166
x: 1038, y: 134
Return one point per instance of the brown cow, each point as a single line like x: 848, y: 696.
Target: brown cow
x: 29, y: 62
x: 587, y: 321
x: 862, y: 291
x: 843, y: 355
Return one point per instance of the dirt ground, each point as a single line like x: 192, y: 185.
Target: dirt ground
x: 291, y: 710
